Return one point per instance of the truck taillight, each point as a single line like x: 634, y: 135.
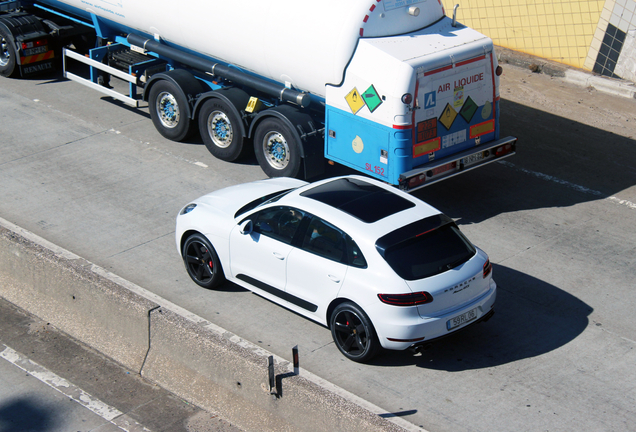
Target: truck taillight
x: 410, y: 299
x: 503, y: 150
x: 499, y: 71
x: 407, y: 98
x: 33, y: 44
x: 416, y: 181
x: 442, y: 169
x: 487, y: 268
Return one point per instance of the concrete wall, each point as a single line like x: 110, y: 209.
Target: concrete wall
x: 593, y: 35
x: 184, y: 353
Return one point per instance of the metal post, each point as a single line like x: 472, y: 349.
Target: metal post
x: 296, y: 361
x: 272, y: 378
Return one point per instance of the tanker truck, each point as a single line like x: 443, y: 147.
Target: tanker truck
x: 392, y: 88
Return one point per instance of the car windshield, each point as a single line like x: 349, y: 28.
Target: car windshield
x: 426, y: 248
x: 270, y: 198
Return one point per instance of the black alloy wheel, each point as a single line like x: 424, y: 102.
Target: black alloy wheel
x: 202, y: 262
x: 353, y: 333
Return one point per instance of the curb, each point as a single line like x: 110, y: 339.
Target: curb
x: 178, y: 350
x: 613, y: 86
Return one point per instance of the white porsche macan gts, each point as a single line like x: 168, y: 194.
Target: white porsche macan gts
x: 379, y: 267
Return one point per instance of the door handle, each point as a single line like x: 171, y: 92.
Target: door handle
x: 279, y: 256
x: 336, y: 279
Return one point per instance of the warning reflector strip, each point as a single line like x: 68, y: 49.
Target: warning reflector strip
x: 482, y: 128
x: 37, y: 58
x: 426, y: 147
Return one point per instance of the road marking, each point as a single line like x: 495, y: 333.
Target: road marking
x: 574, y: 186
x: 70, y: 390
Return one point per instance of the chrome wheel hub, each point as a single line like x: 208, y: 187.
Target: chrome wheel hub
x: 276, y: 150
x: 220, y: 129
x: 168, y: 110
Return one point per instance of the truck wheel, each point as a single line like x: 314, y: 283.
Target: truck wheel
x: 7, y: 55
x: 220, y: 130
x: 276, y: 149
x: 168, y: 110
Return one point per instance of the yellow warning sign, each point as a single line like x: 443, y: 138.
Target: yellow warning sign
x: 426, y: 147
x: 355, y: 101
x: 482, y: 128
x: 448, y: 116
x: 254, y: 104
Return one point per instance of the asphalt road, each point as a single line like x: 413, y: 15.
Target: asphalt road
x: 558, y: 220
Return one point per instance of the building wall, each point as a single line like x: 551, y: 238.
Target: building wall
x: 595, y: 35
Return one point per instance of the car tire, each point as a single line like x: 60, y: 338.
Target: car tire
x: 276, y: 149
x: 8, y: 65
x: 168, y: 110
x: 202, y: 262
x: 353, y: 333
x: 220, y: 130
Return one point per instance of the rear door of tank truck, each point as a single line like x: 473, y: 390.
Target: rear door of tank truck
x: 456, y: 108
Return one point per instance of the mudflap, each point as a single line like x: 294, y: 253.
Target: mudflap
x: 32, y: 69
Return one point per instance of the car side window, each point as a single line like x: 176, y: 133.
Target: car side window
x: 325, y: 240
x: 279, y: 223
x: 356, y: 259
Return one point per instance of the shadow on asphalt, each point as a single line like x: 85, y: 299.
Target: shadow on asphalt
x: 559, y: 163
x: 531, y: 318
x: 27, y: 414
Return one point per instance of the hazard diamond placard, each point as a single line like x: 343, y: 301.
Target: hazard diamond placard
x: 372, y: 98
x: 355, y: 101
x: 448, y: 116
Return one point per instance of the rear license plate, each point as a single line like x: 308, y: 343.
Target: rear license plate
x: 36, y: 50
x: 462, y: 319
x: 473, y: 158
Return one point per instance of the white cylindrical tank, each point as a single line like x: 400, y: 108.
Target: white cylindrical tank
x: 305, y: 43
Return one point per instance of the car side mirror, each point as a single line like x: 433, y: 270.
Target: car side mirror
x: 246, y: 227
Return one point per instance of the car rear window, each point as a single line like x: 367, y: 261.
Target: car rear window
x: 425, y: 248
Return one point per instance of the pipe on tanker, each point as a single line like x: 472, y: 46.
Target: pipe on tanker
x: 273, y: 89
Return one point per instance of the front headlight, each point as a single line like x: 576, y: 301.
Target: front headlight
x: 187, y: 209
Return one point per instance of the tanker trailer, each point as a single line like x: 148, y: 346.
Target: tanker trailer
x: 392, y: 88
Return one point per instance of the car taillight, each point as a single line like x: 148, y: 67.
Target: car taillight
x: 487, y: 268
x: 410, y: 299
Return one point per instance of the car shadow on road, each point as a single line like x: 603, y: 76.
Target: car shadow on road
x: 532, y: 318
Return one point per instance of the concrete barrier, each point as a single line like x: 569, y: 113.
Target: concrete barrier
x: 61, y: 289
x: 182, y: 352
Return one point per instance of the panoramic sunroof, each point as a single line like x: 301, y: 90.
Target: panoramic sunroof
x: 360, y: 199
